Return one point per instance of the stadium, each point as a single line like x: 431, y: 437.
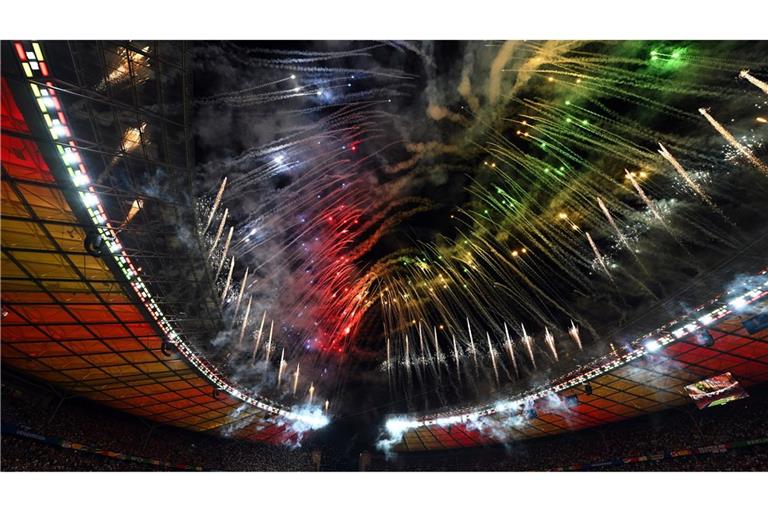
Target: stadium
x: 384, y: 256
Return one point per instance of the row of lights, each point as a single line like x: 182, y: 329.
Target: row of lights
x: 33, y: 63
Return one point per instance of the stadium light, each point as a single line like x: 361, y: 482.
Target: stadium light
x: 397, y: 426
x: 738, y: 303
x: 652, y: 345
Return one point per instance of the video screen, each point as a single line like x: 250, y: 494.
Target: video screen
x: 717, y: 390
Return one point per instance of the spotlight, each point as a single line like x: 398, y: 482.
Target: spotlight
x: 71, y: 157
x: 652, y: 345
x: 738, y: 303
x: 90, y: 200
x: 81, y: 179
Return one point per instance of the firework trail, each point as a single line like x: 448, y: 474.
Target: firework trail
x: 407, y: 358
x: 311, y: 391
x: 510, y: 350
x: 573, y: 331
x: 621, y: 236
x: 224, y: 253
x: 296, y: 378
x: 598, y: 255
x: 492, y: 352
x: 245, y: 322
x: 457, y: 357
x: 642, y: 195
x: 215, y: 204
x: 218, y: 233
x: 269, y: 343
x: 258, y: 337
x: 528, y: 342
x: 239, y: 96
x: 741, y: 148
x: 240, y: 294
x: 608, y: 216
x: 550, y: 340
x: 438, y: 355
x: 472, y: 345
x: 389, y: 360
x: 281, y: 366
x: 682, y: 172
x: 754, y: 81
x: 229, y: 279
x: 421, y: 342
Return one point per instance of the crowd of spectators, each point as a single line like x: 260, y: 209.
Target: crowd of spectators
x: 22, y: 454
x: 666, y: 431
x: 80, y: 421
x: 753, y: 458
x: 83, y: 422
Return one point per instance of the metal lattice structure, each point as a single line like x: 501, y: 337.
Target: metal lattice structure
x: 129, y: 122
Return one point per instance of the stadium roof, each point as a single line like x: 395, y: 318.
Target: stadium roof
x: 76, y: 319
x: 70, y: 318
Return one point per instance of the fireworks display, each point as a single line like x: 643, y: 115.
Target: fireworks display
x: 383, y: 205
